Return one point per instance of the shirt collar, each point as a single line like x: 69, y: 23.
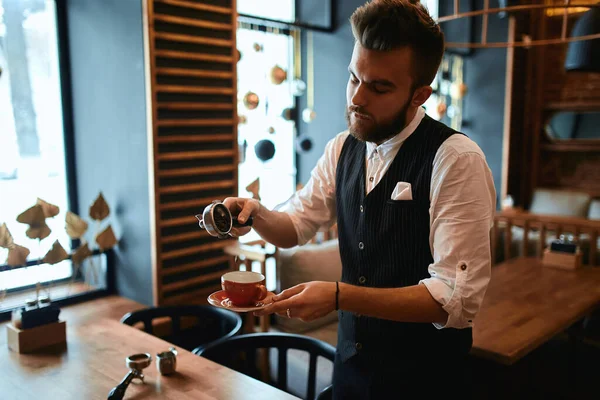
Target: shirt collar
x: 392, y: 145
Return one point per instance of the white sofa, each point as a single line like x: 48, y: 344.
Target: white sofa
x: 300, y: 264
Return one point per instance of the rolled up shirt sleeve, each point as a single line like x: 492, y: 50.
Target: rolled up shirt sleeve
x: 314, y: 206
x: 463, y: 201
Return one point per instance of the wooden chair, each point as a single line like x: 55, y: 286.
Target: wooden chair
x: 189, y: 327
x: 583, y: 230
x: 239, y: 353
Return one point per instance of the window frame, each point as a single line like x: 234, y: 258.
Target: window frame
x: 64, y: 66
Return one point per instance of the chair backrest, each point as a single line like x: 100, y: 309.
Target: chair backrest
x: 239, y: 353
x: 210, y: 323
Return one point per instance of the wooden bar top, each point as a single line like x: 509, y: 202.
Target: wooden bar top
x: 527, y: 304
x: 94, y: 363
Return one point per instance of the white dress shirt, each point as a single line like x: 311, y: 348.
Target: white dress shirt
x: 462, y: 205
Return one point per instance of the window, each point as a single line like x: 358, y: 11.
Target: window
x: 32, y: 151
x: 262, y: 49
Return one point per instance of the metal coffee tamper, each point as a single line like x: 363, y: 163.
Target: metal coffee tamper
x: 166, y: 362
x: 136, y: 363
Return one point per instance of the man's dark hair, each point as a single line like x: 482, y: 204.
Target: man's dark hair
x: 390, y: 24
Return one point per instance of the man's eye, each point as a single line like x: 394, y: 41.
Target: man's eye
x: 353, y: 79
x: 379, y: 89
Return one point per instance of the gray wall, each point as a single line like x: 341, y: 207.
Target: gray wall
x: 332, y: 53
x: 485, y: 72
x: 109, y: 106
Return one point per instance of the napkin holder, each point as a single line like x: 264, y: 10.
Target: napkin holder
x: 562, y: 260
x: 35, y: 339
x: 36, y: 328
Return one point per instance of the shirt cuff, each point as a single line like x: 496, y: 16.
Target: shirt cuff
x: 450, y: 299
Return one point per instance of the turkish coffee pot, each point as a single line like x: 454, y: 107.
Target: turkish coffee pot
x: 218, y: 221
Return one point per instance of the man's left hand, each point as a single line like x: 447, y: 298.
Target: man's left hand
x: 307, y: 301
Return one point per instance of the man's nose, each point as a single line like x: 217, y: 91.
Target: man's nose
x: 359, y: 97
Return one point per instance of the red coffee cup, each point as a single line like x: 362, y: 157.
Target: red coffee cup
x: 244, y: 288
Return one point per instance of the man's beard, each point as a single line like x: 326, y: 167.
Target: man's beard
x: 377, y: 133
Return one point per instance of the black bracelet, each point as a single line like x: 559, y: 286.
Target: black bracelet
x: 337, y: 291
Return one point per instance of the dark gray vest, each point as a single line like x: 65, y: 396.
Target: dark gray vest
x: 385, y: 244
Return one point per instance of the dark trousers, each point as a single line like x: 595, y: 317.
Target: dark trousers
x: 427, y: 379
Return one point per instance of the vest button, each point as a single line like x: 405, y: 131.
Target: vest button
x: 362, y: 280
x: 362, y: 209
x: 371, y: 179
x: 358, y: 346
x: 463, y: 267
x: 361, y: 245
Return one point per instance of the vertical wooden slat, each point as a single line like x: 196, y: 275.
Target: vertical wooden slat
x: 484, y: 28
x: 508, y: 239
x: 542, y: 242
x: 525, y: 241
x: 494, y: 242
x: 593, y: 246
x: 150, y: 66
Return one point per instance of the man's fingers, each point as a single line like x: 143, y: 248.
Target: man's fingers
x: 278, y: 307
x: 233, y: 204
x: 287, y: 293
x: 250, y: 208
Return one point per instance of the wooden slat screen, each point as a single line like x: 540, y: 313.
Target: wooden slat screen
x: 192, y: 70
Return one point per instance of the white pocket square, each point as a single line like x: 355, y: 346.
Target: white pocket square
x: 402, y: 191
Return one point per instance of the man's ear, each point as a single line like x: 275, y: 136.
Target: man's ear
x: 421, y: 95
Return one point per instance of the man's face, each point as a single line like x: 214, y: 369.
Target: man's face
x: 379, y: 93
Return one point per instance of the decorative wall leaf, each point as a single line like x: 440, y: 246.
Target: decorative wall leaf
x: 75, y: 226
x: 106, y: 239
x: 6, y: 239
x: 50, y: 210
x: 56, y: 254
x: 17, y: 256
x: 38, y: 231
x: 33, y: 216
x: 254, y: 188
x: 81, y: 253
x: 99, y: 210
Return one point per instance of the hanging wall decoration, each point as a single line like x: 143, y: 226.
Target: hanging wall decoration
x: 254, y: 188
x: 289, y: 114
x: 278, y: 75
x: 309, y: 114
x: 17, y: 255
x: 264, y: 149
x: 251, y: 100
x: 304, y: 144
x: 298, y: 85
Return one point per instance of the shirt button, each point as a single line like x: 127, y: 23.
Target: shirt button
x: 358, y: 346
x: 362, y: 209
x: 361, y: 245
x: 371, y: 179
x: 463, y: 267
x: 362, y: 280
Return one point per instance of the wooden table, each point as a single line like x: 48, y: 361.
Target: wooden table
x: 527, y: 303
x: 94, y: 363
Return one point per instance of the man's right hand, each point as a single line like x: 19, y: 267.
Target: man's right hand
x: 243, y: 208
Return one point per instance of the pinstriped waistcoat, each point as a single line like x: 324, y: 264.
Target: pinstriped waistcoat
x: 385, y: 244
